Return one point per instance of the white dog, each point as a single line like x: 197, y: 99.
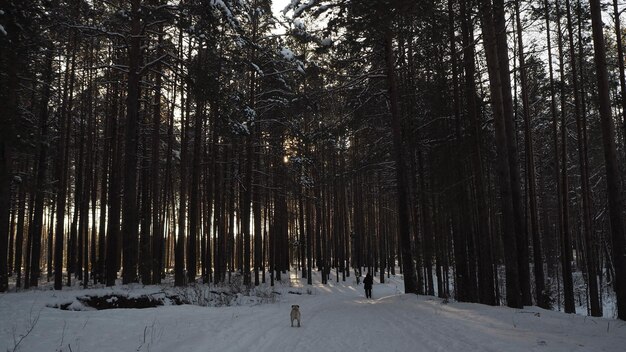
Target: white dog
x: 295, y: 314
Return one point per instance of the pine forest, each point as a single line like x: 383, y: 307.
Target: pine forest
x: 477, y: 148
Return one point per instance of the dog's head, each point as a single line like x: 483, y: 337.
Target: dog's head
x: 295, y: 307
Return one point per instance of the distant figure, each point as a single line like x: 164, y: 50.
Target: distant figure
x: 368, y: 282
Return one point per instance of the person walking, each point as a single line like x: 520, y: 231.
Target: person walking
x: 368, y: 282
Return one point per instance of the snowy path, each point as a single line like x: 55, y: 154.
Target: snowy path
x: 334, y: 318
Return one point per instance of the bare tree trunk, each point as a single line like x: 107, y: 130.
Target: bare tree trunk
x: 218, y: 223
x: 145, y: 222
x: 113, y: 216
x: 509, y: 230
x: 129, y: 204
x: 594, y: 299
x: 513, y: 161
x: 62, y: 161
x: 620, y: 66
x: 179, y: 244
x: 485, y: 266
x: 89, y: 184
x: 157, y: 228
x: 41, y: 173
x: 555, y: 138
x: 194, y: 194
x: 542, y: 300
x: 105, y: 167
x: 76, y: 232
x: 410, y: 278
x: 19, y: 237
x: 566, y: 247
x: 614, y: 186
x: 5, y: 202
x: 256, y: 207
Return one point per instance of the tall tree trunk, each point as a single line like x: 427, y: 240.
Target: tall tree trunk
x: 77, y: 241
x: 169, y: 212
x: 613, y: 180
x: 410, y: 276
x: 542, y: 299
x: 485, y: 266
x: 217, y: 222
x: 511, y: 142
x: 114, y: 199
x: 130, y: 218
x: 104, y: 184
x: 620, y: 66
x: 113, y: 218
x: 5, y: 202
x: 555, y: 138
x: 42, y: 169
x: 9, y: 81
x: 594, y: 299
x: 157, y: 230
x: 62, y: 162
x: 19, y: 237
x: 256, y: 206
x: 89, y: 251
x: 210, y: 195
x: 194, y: 194
x: 566, y: 247
x: 590, y: 242
x: 12, y: 220
x: 145, y: 224
x: 509, y: 237
x: 179, y: 244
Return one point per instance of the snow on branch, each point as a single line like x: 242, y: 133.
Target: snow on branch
x: 287, y: 54
x: 227, y: 12
x: 297, y: 11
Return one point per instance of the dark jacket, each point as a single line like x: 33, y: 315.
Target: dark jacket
x: 368, y: 281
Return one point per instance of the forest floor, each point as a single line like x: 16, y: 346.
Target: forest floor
x: 335, y: 317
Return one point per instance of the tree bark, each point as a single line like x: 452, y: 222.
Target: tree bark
x: 513, y: 154
x: 509, y: 230
x: 157, y: 229
x: 130, y: 218
x: 566, y: 247
x: 42, y: 169
x: 594, y: 299
x: 62, y: 161
x: 540, y: 295
x: 410, y: 278
x: 620, y: 66
x: 613, y: 180
x: 485, y: 266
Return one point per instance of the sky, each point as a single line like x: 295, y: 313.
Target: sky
x: 279, y: 5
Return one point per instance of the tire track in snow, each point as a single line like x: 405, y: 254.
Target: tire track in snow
x: 337, y: 317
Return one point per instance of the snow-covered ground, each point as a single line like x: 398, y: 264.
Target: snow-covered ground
x: 335, y: 317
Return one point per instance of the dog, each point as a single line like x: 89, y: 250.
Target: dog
x: 295, y: 314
